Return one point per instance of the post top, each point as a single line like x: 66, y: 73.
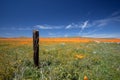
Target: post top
x: 35, y: 30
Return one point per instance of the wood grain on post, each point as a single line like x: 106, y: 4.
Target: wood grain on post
x: 36, y: 47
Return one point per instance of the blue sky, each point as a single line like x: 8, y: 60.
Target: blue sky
x: 60, y: 18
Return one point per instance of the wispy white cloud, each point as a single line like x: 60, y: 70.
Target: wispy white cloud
x: 47, y: 27
x: 115, y: 17
x: 112, y: 35
x: 57, y: 27
x: 42, y: 27
x: 106, y: 21
x: 68, y: 26
x: 16, y: 28
x: 81, y: 26
x: 96, y: 23
x: 102, y: 24
x: 84, y: 25
x: 26, y: 28
x: 116, y: 13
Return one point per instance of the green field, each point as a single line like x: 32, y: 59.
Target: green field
x: 60, y: 61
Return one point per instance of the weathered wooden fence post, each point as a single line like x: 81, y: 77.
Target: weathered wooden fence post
x: 36, y: 47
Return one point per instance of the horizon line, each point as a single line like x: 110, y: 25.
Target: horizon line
x: 64, y: 37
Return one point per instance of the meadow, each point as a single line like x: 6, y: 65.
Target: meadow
x: 60, y: 59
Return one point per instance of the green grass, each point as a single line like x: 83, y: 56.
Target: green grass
x: 58, y: 62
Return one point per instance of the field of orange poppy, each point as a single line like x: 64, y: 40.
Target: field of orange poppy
x: 60, y: 59
x: 21, y: 41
